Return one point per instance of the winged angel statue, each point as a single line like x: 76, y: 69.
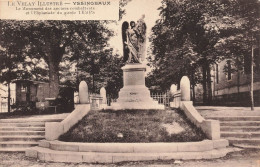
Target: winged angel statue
x: 134, y: 39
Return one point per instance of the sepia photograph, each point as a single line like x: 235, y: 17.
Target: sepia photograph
x: 147, y: 83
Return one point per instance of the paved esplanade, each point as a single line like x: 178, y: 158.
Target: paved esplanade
x: 209, y: 111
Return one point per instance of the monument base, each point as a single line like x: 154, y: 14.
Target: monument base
x: 134, y: 94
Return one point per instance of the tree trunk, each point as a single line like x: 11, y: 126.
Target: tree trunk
x: 9, y: 98
x: 54, y: 54
x: 238, y: 86
x: 252, y: 80
x: 193, y: 85
x: 93, y: 77
x: 193, y: 92
x: 238, y: 80
x: 209, y: 87
x: 53, y: 78
x: 204, y: 83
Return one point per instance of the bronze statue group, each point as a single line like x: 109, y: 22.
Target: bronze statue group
x: 134, y: 39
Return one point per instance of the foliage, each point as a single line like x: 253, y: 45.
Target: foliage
x: 122, y: 4
x: 113, y: 75
x: 243, y: 35
x: 192, y: 35
x: 102, y: 66
x: 40, y: 47
x: 51, y: 40
x: 11, y: 54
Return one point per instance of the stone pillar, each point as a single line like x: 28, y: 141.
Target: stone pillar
x: 83, y: 93
x: 175, y: 95
x: 173, y: 89
x: 103, y: 94
x: 185, y: 88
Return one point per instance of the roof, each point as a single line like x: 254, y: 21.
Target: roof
x: 28, y: 81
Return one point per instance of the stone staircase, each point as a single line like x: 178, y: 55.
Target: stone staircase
x: 19, y: 134
x: 241, y: 131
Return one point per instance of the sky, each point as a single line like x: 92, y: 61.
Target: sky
x: 134, y: 11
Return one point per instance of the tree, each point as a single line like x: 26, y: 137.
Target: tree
x: 243, y: 37
x: 11, y: 56
x: 37, y: 68
x: 51, y: 40
x: 97, y: 65
x: 101, y: 69
x: 250, y: 14
x: 186, y: 40
x: 8, y: 72
x: 200, y: 26
x: 122, y: 4
x: 113, y: 75
x: 169, y: 71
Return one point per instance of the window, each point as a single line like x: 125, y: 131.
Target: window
x: 23, y: 88
x: 247, y: 64
x: 229, y: 72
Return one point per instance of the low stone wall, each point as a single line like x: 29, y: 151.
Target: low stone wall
x: 210, y: 127
x: 57, y: 151
x: 200, y: 146
x: 54, y: 129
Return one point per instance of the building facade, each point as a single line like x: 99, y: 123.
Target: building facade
x: 231, y: 86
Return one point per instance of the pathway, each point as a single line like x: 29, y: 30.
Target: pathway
x: 209, y: 111
x: 245, y: 158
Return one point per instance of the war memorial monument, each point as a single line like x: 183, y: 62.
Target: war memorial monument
x: 134, y: 94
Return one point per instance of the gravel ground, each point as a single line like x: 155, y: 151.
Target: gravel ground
x: 244, y: 158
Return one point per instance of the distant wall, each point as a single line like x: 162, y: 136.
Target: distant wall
x: 233, y: 91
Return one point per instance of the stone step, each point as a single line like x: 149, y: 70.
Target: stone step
x: 10, y: 128
x: 13, y: 149
x: 23, y: 124
x: 20, y: 144
x: 248, y: 146
x: 23, y: 133
x: 240, y: 134
x: 235, y: 118
x: 23, y: 120
x: 252, y: 141
x: 240, y: 123
x: 240, y: 128
x: 205, y: 145
x: 22, y: 138
x: 48, y: 155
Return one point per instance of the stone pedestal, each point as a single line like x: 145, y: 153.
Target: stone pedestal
x: 96, y: 102
x: 134, y: 94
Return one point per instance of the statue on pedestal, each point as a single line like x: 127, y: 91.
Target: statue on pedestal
x: 134, y: 39
x: 134, y: 94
